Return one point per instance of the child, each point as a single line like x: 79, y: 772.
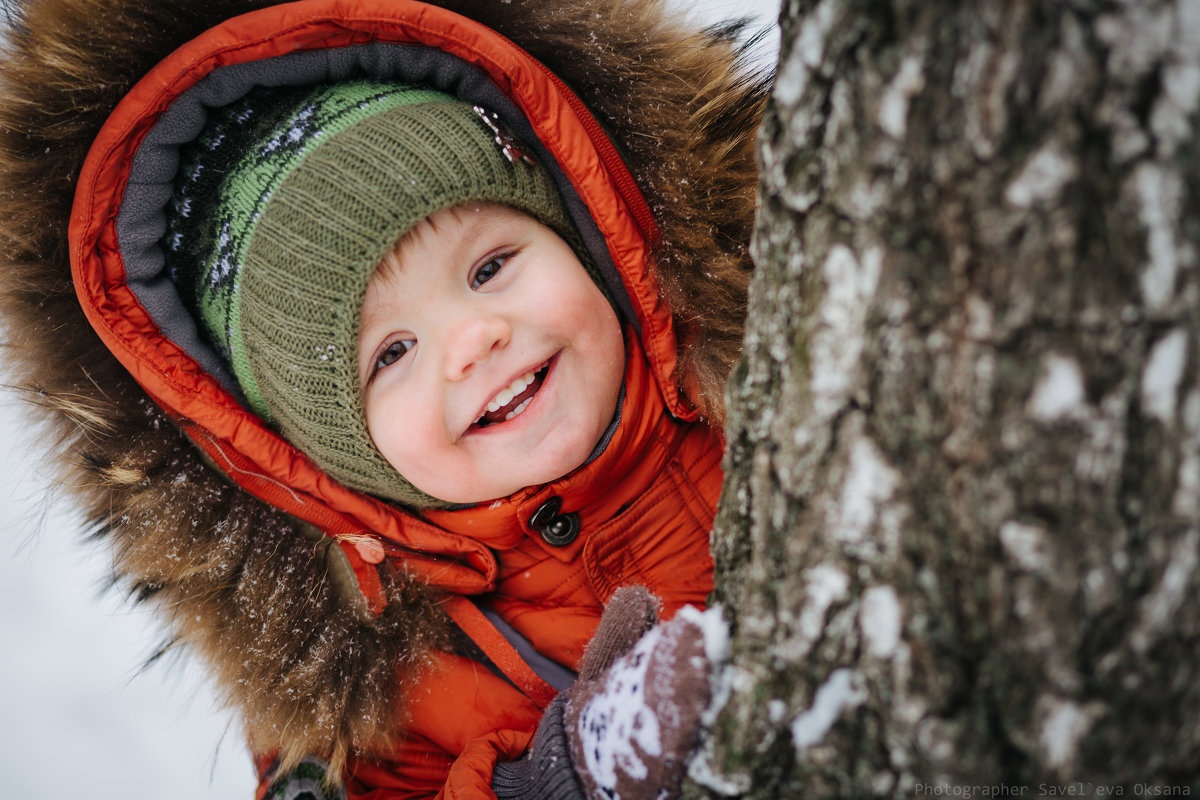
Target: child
x: 388, y: 277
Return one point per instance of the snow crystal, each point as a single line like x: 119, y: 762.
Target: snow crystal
x: 838, y: 341
x: 1026, y: 544
x: 981, y: 325
x: 616, y: 724
x: 1187, y: 23
x: 881, y: 620
x: 1158, y: 191
x: 1136, y: 55
x: 791, y: 81
x: 1059, y: 390
x: 825, y: 586
x: 725, y: 680
x: 1158, y: 610
x: 1065, y: 723
x: 1172, y: 114
x: 701, y: 771
x: 1186, y: 502
x: 893, y: 108
x: 712, y: 626
x: 1042, y: 177
x: 809, y: 50
x: 837, y: 693
x: 1160, y: 378
x: 1171, y: 118
x: 1191, y: 412
x: 869, y: 481
x: 848, y: 282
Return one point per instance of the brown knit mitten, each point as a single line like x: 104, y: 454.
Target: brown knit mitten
x: 631, y: 611
x: 625, y: 730
x: 635, y: 720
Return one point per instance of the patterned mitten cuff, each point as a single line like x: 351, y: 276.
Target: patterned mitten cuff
x: 305, y: 782
x: 547, y: 772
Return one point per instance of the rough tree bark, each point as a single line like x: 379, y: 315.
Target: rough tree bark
x: 960, y: 536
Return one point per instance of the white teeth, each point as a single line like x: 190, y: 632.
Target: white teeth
x: 519, y: 384
x: 508, y: 393
x: 517, y: 410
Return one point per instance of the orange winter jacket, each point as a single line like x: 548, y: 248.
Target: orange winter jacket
x: 639, y: 513
x: 645, y: 507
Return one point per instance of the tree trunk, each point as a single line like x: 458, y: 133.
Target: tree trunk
x: 960, y: 536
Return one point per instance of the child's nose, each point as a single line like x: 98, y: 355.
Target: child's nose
x: 472, y: 341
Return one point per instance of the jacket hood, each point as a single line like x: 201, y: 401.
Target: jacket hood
x: 653, y: 140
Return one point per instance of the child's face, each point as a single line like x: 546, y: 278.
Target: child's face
x: 475, y: 301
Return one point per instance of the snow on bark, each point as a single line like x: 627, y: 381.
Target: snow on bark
x: 893, y: 108
x: 837, y: 342
x: 959, y: 543
x: 881, y: 620
x: 835, y: 695
x: 1064, y: 724
x: 1059, y: 391
x: 1160, y: 378
x: 1159, y: 193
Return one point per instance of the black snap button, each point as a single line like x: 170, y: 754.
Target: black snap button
x: 562, y: 530
x: 545, y: 512
x: 556, y: 529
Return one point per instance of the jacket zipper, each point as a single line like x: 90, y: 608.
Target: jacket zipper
x: 613, y: 163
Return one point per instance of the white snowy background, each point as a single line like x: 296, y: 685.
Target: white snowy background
x: 79, y: 716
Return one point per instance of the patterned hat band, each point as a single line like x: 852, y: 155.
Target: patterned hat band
x: 283, y: 207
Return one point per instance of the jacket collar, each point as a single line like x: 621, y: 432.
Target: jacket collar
x: 595, y: 492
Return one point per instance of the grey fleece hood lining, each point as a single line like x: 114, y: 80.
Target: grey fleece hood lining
x: 142, y: 222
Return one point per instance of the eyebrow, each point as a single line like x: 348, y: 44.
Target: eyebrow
x: 474, y: 229
x: 390, y: 264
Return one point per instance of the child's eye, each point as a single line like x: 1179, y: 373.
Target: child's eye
x: 393, y: 352
x: 488, y: 270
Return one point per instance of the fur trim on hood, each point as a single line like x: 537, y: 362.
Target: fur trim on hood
x: 267, y: 602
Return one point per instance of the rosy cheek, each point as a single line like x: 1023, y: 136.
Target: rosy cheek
x: 378, y: 426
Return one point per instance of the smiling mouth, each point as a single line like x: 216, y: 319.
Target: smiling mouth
x: 513, y: 399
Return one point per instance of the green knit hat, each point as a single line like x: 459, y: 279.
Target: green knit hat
x: 284, y: 206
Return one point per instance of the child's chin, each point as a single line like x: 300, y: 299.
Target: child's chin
x: 473, y: 492
x: 501, y: 489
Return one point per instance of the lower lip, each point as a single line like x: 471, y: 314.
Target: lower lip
x: 535, y: 405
